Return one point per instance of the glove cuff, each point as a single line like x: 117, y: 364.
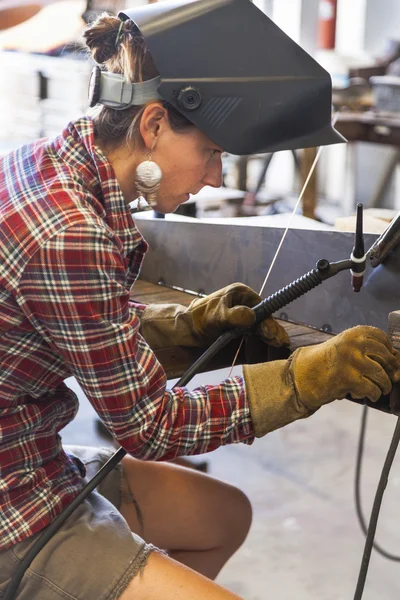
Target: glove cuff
x: 309, y: 376
x: 272, y: 396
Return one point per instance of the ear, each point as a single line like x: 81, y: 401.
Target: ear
x: 152, y: 124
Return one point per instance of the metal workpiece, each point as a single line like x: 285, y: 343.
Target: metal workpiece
x: 199, y: 255
x: 388, y: 403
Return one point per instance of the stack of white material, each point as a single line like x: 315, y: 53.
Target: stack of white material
x: 375, y: 220
x: 23, y: 114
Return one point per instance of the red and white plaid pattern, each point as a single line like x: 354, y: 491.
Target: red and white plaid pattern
x: 69, y: 254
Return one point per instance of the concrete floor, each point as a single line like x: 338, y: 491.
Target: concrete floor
x: 305, y: 542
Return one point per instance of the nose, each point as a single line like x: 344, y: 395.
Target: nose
x: 213, y: 176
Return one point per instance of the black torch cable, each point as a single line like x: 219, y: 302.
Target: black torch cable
x: 357, y: 488
x: 201, y: 362
x: 57, y: 523
x: 290, y: 292
x: 375, y: 512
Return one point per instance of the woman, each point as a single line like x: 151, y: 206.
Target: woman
x: 70, y: 252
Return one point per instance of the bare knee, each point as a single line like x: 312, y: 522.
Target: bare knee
x: 230, y: 517
x: 239, y: 517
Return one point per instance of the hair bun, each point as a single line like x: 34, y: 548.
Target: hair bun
x: 100, y: 37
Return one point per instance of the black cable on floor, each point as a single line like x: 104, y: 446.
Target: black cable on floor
x: 11, y: 591
x: 357, y: 488
x: 369, y: 542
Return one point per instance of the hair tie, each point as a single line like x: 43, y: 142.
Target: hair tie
x: 120, y: 32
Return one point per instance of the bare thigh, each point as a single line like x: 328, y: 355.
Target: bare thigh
x: 182, y: 509
x: 166, y: 579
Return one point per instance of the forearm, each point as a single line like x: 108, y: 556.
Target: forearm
x: 184, y: 423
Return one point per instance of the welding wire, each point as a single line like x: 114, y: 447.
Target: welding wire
x: 291, y: 217
x: 282, y: 240
x: 335, y: 118
x: 286, y: 231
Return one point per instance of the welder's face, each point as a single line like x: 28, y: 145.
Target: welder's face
x: 189, y: 160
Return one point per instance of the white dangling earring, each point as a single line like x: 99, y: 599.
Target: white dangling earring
x: 148, y: 178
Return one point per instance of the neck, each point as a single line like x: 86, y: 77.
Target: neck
x: 124, y: 162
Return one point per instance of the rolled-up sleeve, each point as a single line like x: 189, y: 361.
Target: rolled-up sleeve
x: 73, y: 290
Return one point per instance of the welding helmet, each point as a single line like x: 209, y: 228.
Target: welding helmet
x: 234, y: 74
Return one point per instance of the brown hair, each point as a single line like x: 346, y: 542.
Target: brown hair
x: 122, y: 49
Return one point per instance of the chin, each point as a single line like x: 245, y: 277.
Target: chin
x: 167, y: 206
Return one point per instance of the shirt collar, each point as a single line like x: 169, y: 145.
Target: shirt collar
x: 77, y: 146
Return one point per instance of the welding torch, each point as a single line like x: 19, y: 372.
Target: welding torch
x: 358, y: 257
x: 324, y: 270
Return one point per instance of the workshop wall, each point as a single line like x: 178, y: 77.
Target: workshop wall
x: 39, y: 94
x: 382, y: 23
x: 382, y: 16
x: 364, y: 28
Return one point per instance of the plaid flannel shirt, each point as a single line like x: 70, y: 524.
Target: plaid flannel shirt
x: 69, y: 254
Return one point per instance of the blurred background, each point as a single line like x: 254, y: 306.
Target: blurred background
x: 305, y: 541
x: 44, y: 77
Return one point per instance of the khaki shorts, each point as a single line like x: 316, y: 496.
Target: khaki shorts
x: 93, y: 556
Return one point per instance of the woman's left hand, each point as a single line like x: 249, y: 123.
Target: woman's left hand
x: 231, y: 307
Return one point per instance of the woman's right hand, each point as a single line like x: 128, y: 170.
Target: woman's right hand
x: 360, y: 362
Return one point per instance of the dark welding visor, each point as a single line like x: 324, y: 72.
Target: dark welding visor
x: 232, y: 72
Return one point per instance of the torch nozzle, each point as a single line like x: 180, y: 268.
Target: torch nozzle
x: 358, y: 257
x: 357, y: 282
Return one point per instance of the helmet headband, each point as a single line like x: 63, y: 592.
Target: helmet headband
x: 111, y: 89
x: 232, y: 72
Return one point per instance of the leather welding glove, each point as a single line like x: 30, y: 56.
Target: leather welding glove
x: 361, y: 362
x: 205, y: 319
